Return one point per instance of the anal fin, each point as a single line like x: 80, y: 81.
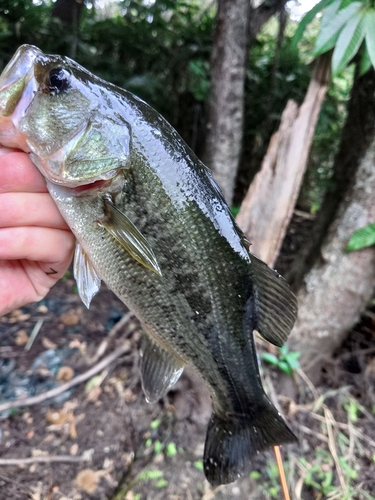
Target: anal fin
x: 274, y: 304
x: 88, y: 282
x: 160, y: 369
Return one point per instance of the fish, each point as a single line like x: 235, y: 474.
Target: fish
x: 151, y: 222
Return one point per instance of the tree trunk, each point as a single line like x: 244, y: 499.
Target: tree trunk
x: 69, y: 12
x: 340, y: 285
x: 236, y: 25
x: 224, y: 129
x: 269, y: 203
x: 261, y: 14
x: 358, y: 133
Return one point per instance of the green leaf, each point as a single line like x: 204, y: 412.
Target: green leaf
x: 92, y: 383
x: 285, y: 367
x: 364, y: 237
x: 331, y: 28
x: 235, y: 210
x: 150, y: 474
x: 162, y: 483
x: 348, y: 42
x: 157, y: 447
x: 308, y: 17
x: 365, y: 63
x: 293, y: 363
x: 330, y: 12
x: 270, y: 358
x: 155, y: 424
x: 370, y: 34
x: 198, y: 465
x: 171, y: 450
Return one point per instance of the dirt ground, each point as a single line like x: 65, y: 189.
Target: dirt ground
x: 102, y: 441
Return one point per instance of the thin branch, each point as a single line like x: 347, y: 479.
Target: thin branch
x: 113, y: 331
x: 330, y: 422
x: 62, y: 388
x: 42, y: 459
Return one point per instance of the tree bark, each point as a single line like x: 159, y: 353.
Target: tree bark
x: 237, y: 25
x: 261, y: 14
x: 358, y: 132
x: 224, y: 129
x: 269, y: 203
x: 338, y: 288
x: 69, y: 12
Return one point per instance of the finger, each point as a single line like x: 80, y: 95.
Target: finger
x: 19, y: 174
x: 5, y: 151
x: 52, y: 247
x: 29, y: 209
x: 21, y: 282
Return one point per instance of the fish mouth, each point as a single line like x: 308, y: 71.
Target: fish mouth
x: 108, y: 182
x: 101, y: 183
x: 17, y: 88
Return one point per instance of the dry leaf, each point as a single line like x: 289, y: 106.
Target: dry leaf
x: 48, y: 344
x: 74, y: 449
x: 18, y: 315
x: 94, y: 394
x: 71, y: 317
x: 42, y: 309
x: 38, y: 453
x: 21, y: 338
x: 36, y: 492
x: 72, y: 430
x: 57, y: 417
x: 65, y: 374
x: 87, y: 480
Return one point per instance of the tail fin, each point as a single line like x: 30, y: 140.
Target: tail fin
x: 231, y: 443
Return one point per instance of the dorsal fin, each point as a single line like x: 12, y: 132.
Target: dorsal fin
x: 275, y: 305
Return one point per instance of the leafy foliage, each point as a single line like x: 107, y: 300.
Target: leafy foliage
x: 158, y: 50
x: 347, y: 27
x: 286, y: 361
x: 364, y: 237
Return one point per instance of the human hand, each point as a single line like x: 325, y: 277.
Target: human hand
x: 36, y: 245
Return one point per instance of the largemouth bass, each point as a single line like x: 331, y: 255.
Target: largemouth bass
x: 151, y: 222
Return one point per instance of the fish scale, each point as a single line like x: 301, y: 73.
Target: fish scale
x: 151, y: 222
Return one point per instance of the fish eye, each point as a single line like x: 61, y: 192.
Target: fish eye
x: 58, y: 80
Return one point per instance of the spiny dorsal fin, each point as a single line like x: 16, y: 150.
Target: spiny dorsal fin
x: 88, y: 282
x: 275, y: 305
x: 125, y: 232
x: 160, y: 369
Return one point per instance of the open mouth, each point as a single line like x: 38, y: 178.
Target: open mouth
x: 93, y: 185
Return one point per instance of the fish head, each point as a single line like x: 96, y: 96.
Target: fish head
x: 57, y: 111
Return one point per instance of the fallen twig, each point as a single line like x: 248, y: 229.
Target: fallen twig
x: 34, y: 333
x: 41, y: 459
x: 112, y: 332
x: 330, y: 422
x: 280, y: 466
x: 62, y: 388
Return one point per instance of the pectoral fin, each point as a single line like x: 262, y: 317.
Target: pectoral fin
x: 159, y: 369
x: 274, y: 307
x: 125, y: 232
x: 88, y: 282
